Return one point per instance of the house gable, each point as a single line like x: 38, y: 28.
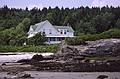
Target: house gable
x: 47, y: 28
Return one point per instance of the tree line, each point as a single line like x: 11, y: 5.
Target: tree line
x: 14, y: 23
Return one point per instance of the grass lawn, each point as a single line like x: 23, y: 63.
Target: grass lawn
x: 28, y: 48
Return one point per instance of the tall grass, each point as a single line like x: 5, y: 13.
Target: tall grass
x: 40, y: 49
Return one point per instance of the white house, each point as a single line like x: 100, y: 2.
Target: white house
x: 54, y: 34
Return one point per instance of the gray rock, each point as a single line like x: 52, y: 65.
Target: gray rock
x: 37, y: 57
x: 103, y: 46
x: 3, y: 64
x: 102, y: 77
x: 69, y: 53
x: 24, y: 75
x: 99, y: 47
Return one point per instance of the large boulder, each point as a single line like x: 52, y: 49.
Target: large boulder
x: 103, y: 47
x: 37, y: 57
x: 24, y: 75
x: 68, y: 53
x: 102, y: 77
x: 98, y: 47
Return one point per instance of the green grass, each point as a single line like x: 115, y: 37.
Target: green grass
x: 28, y: 48
x: 100, y: 58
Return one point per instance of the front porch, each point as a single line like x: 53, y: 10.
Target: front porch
x: 54, y: 40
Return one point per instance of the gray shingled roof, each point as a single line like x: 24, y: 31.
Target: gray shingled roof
x: 69, y: 28
x: 34, y: 27
x: 37, y: 26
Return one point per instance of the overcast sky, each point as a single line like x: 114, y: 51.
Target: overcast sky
x: 53, y: 3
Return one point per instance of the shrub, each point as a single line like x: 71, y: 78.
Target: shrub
x: 89, y: 37
x: 38, y: 39
x: 112, y: 33
x: 75, y: 41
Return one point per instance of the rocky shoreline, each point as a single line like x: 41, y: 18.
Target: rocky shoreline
x: 72, y: 59
x: 76, y: 66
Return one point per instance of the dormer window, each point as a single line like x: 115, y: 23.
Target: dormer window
x: 64, y: 31
x: 50, y: 31
x: 67, y: 30
x: 43, y: 31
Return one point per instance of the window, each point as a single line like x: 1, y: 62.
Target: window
x: 67, y: 30
x: 52, y: 39
x: 43, y: 31
x: 64, y: 31
x: 61, y: 31
x: 58, y: 39
x: 50, y: 31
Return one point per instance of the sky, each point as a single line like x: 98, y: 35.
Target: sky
x: 60, y: 3
x: 102, y: 3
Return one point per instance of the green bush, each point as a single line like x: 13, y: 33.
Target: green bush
x: 75, y: 41
x: 38, y: 39
x: 112, y: 33
x: 78, y: 40
x: 89, y: 37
